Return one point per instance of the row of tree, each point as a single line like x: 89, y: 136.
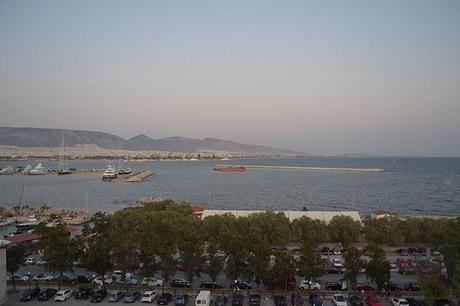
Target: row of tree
x: 163, y: 236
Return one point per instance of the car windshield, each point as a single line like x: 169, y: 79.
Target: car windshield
x: 340, y: 298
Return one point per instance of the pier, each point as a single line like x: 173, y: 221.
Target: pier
x: 134, y: 177
x: 324, y: 169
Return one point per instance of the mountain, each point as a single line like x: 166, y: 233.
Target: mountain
x: 40, y: 137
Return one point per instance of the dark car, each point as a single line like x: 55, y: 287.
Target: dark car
x: 279, y: 300
x: 415, y: 302
x: 181, y: 299
x: 441, y: 302
x: 84, y: 293
x: 164, y: 298
x: 325, y: 250
x: 334, y: 270
x: 179, y: 282
x: 356, y: 300
x: 82, y: 279
x: 131, y: 297
x: 220, y: 300
x: 46, y: 294
x: 393, y: 287
x: 241, y: 285
x: 237, y: 300
x: 407, y: 270
x: 363, y: 287
x: 411, y: 287
x: 30, y: 294
x: 421, y: 251
x: 98, y: 296
x: 412, y: 251
x: 315, y: 300
x: 296, y: 299
x: 333, y: 286
x: 209, y: 284
x: 67, y: 279
x: 403, y: 252
x: 254, y: 300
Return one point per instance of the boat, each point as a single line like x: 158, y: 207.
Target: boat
x: 29, y: 224
x: 5, y: 221
x: 27, y: 169
x: 38, y: 170
x: 124, y: 171
x: 110, y: 173
x: 230, y: 169
x: 7, y: 171
x: 63, y: 169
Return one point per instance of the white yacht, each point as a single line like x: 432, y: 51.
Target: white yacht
x: 7, y: 171
x: 38, y: 170
x: 110, y: 173
x: 27, y: 169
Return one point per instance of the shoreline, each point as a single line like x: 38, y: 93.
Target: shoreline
x: 323, y: 169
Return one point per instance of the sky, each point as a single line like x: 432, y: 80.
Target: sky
x: 322, y: 77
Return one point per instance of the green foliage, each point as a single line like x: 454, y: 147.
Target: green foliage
x: 309, y: 232
x: 59, y: 250
x: 384, y: 231
x: 310, y: 264
x: 378, y: 268
x: 282, y: 269
x: 447, y: 240
x: 344, y: 229
x: 456, y: 281
x: 14, y: 259
x: 433, y: 288
x: 353, y: 264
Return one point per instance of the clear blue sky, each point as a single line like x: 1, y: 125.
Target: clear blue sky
x: 324, y: 77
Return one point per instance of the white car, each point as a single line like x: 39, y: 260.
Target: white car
x: 152, y: 281
x: 29, y: 261
x: 337, y: 263
x: 308, y: 285
x: 339, y: 300
x: 43, y: 278
x: 399, y: 302
x: 148, y: 296
x: 63, y: 295
x: 107, y: 280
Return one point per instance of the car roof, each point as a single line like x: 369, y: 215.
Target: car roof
x: 149, y: 292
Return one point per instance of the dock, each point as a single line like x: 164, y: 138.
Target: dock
x: 134, y: 177
x: 324, y: 169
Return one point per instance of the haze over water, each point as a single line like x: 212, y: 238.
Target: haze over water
x: 414, y: 186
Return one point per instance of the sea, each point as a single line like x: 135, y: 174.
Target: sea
x: 408, y: 186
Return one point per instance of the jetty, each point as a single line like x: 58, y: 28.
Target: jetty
x: 323, y: 169
x: 134, y: 177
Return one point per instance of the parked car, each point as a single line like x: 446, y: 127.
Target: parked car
x: 279, y: 300
x: 415, y: 302
x: 411, y: 287
x: 46, y: 294
x: 164, y: 298
x: 29, y: 261
x: 372, y: 300
x: 421, y: 251
x: 241, y: 284
x: 29, y: 294
x: 209, y: 284
x: 84, y: 293
x: 43, y: 278
x: 148, y: 296
x: 403, y: 252
x: 401, y: 262
x: 407, y: 270
x: 356, y: 300
x: 220, y: 300
x: 98, y: 296
x: 131, y: 297
x: 18, y: 278
x: 63, y: 295
x: 181, y: 299
x: 399, y: 302
x: 66, y: 279
x: 393, y: 287
x: 334, y: 270
x: 152, y: 281
x: 325, y: 250
x: 115, y: 296
x: 441, y: 302
x: 254, y: 300
x: 335, y: 286
x: 393, y: 267
x: 339, y: 300
x: 309, y: 285
x: 179, y: 282
x: 100, y: 280
x: 363, y: 287
x: 237, y: 300
x: 82, y: 279
x: 315, y: 300
x: 296, y: 299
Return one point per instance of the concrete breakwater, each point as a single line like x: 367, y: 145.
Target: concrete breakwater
x: 324, y: 169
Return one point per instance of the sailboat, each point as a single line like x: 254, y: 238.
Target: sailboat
x: 63, y: 169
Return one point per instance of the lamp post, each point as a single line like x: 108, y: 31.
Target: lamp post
x: 28, y: 276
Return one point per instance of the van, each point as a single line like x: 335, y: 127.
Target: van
x: 204, y: 298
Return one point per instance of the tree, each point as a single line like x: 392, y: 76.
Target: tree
x: 353, y: 264
x: 433, y: 288
x: 378, y: 268
x: 447, y: 240
x: 386, y: 230
x: 59, y: 250
x: 309, y: 232
x: 344, y: 229
x: 310, y: 264
x: 283, y: 269
x: 456, y: 281
x: 14, y: 259
x: 97, y: 250
x: 216, y: 264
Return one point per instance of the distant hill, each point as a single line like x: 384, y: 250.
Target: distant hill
x: 39, y: 137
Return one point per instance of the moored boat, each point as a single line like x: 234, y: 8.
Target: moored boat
x: 110, y: 173
x: 38, y: 170
x: 7, y: 171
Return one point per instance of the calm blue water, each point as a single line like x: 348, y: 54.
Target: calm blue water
x: 408, y: 186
